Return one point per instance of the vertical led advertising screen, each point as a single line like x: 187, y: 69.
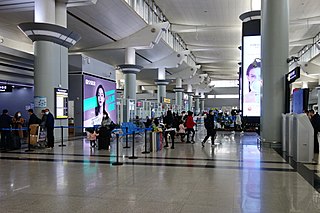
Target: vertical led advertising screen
x: 99, y: 95
x: 251, y: 76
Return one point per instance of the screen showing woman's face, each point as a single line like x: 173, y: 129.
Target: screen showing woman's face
x: 254, y: 74
x: 100, y: 97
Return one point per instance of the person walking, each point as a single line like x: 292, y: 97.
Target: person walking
x: 209, y: 125
x: 190, y: 124
x: 168, y: 121
x: 50, y: 127
x: 5, y: 123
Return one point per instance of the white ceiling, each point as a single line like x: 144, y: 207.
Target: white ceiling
x: 210, y: 28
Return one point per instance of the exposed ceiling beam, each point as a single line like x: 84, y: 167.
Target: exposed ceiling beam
x: 195, y: 47
x: 306, y: 21
x: 182, y: 28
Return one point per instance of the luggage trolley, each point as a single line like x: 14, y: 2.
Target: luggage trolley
x: 38, y: 136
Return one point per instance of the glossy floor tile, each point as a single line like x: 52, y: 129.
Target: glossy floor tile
x: 233, y: 176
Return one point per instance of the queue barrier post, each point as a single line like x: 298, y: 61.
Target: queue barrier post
x: 127, y: 146
x: 117, y: 163
x: 62, y: 145
x: 145, y: 143
x: 133, y: 157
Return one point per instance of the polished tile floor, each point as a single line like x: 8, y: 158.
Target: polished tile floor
x: 234, y: 176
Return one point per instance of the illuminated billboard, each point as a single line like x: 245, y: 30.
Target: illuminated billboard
x: 251, y: 76
x: 99, y: 96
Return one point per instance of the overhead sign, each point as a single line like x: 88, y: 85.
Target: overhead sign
x: 5, y: 88
x: 167, y: 100
x: 293, y: 75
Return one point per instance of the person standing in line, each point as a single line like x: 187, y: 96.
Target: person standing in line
x: 17, y: 123
x: 5, y: 122
x: 315, y: 121
x: 50, y: 127
x: 33, y: 119
x: 190, y: 124
x: 105, y: 132
x: 209, y: 125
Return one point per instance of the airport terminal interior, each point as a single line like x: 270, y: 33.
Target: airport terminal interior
x: 159, y: 106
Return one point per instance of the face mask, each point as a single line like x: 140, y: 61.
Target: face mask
x: 47, y: 113
x: 19, y: 115
x: 255, y: 86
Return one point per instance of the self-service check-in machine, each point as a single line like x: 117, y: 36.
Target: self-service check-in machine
x: 303, y: 139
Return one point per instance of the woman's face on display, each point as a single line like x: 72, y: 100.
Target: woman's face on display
x: 254, y: 75
x: 101, y: 97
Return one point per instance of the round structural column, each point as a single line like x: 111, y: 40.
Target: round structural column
x: 274, y: 52
x: 130, y: 87
x: 202, y: 104
x: 179, y: 92
x: 197, y: 102
x: 162, y: 89
x: 44, y: 11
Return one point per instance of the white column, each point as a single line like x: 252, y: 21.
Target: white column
x: 178, y: 91
x: 274, y: 52
x: 130, y: 56
x: 44, y: 11
x: 61, y: 14
x: 161, y: 73
x: 130, y: 71
x: 162, y: 88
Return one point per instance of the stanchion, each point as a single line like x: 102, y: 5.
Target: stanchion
x: 117, y: 163
x: 62, y: 145
x: 145, y: 143
x: 29, y: 145
x: 133, y: 157
x: 127, y: 146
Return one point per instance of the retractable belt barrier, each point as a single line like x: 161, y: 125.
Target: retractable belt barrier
x: 119, y: 132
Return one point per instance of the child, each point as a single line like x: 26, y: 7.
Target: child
x: 182, y: 130
x: 92, y: 136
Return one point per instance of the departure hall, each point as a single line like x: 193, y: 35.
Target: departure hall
x: 159, y: 106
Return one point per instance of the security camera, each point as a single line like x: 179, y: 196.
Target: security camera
x: 292, y: 58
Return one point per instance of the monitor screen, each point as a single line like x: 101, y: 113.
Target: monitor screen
x: 99, y: 96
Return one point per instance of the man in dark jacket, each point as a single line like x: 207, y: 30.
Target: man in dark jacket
x: 50, y: 127
x: 315, y: 121
x: 168, y: 121
x: 209, y: 125
x: 5, y: 122
x: 33, y: 118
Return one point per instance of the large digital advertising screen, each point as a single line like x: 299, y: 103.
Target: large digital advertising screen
x: 99, y: 96
x: 251, y: 76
